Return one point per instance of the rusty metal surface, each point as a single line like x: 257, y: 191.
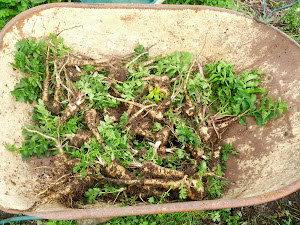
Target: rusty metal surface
x: 259, y: 161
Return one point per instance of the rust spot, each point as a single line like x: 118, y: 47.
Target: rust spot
x: 19, y: 25
x: 286, y: 134
x: 129, y: 17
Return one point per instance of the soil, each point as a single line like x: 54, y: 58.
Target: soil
x: 4, y: 215
x: 265, y: 213
x: 119, y: 74
x: 115, y: 113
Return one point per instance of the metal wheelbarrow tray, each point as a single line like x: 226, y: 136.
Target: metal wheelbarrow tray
x: 268, y: 167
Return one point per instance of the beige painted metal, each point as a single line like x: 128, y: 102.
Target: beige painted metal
x: 269, y: 164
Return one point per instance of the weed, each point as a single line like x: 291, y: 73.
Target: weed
x: 61, y: 222
x: 228, y: 4
x: 224, y: 215
x: 291, y: 22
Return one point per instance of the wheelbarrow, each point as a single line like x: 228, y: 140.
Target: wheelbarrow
x: 268, y: 166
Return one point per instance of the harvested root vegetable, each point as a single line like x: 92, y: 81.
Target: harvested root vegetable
x: 82, y: 61
x: 161, y: 82
x: 92, y: 120
x: 73, y: 74
x: 118, y: 74
x: 197, y: 153
x: 206, y: 133
x: 163, y: 152
x: 115, y: 113
x: 192, y: 192
x: 150, y: 169
x: 136, y: 127
x: 144, y: 191
x: 142, y: 126
x: 163, y: 136
x: 81, y: 137
x: 115, y: 170
x: 189, y: 108
x: 66, y: 187
x: 158, y: 113
x: 54, y: 107
x: 228, y: 122
x: 161, y: 183
x: 72, y: 108
x: 201, y: 114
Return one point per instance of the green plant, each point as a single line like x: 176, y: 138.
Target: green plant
x: 186, y: 135
x: 61, y: 222
x: 228, y: 4
x: 291, y: 22
x: 95, y: 85
x: 199, y: 89
x: 216, y: 184
x: 155, y: 94
x: 268, y: 110
x: 234, y: 94
x: 30, y: 58
x: 225, y: 152
x: 87, y: 154
x: 9, y: 8
x: 182, y: 192
x: 174, y: 64
x: 225, y: 215
x: 34, y: 143
x: 134, y: 83
x: 190, y: 218
x: 94, y: 193
x: 187, y: 218
x: 116, y: 141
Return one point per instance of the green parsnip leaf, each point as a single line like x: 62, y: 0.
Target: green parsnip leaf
x: 95, y: 86
x: 234, y: 94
